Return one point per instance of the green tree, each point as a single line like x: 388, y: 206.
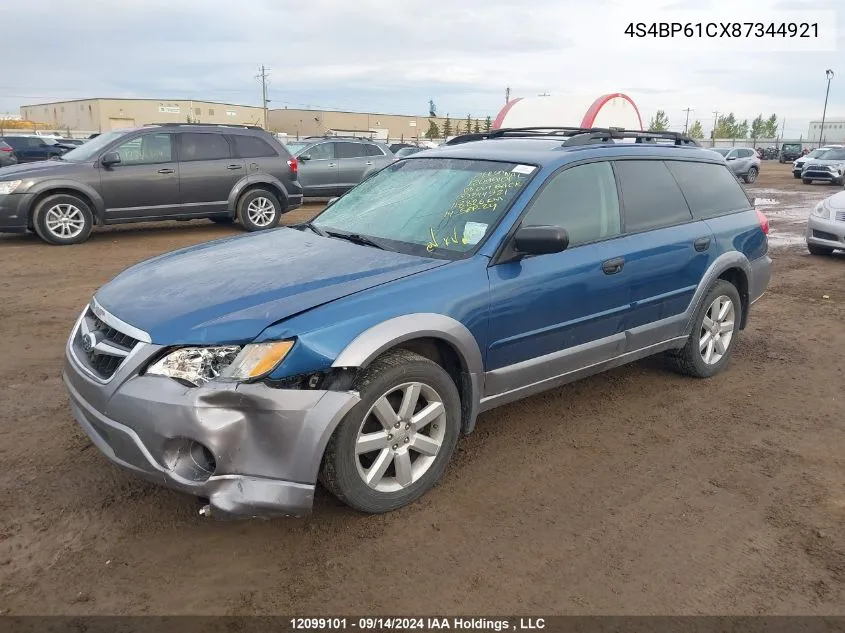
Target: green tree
x: 487, y: 124
x: 468, y: 127
x: 741, y: 130
x: 476, y: 127
x: 758, y: 127
x: 458, y: 129
x: 659, y: 123
x: 771, y: 127
x: 447, y: 127
x: 726, y: 126
x: 695, y: 130
x: 433, y: 130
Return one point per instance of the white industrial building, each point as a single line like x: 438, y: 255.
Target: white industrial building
x: 834, y: 131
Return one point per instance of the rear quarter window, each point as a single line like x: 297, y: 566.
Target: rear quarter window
x: 651, y: 198
x: 252, y: 147
x: 710, y: 189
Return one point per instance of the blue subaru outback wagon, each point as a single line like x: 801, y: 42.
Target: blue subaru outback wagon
x: 355, y: 349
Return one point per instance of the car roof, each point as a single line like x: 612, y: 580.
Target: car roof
x: 544, y: 151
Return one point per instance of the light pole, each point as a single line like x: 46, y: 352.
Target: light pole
x: 829, y: 74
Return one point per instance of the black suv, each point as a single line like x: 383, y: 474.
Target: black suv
x: 157, y: 172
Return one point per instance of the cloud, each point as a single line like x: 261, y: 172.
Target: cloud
x: 386, y: 55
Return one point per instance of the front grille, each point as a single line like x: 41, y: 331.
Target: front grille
x: 101, y: 347
x: 823, y: 235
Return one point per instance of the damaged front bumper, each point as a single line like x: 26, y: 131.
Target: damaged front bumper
x: 250, y: 449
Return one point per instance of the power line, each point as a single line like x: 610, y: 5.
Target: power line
x: 686, y: 123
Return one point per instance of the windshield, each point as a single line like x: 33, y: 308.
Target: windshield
x: 832, y: 154
x: 407, y: 151
x: 792, y: 147
x: 92, y: 148
x: 293, y: 148
x: 723, y: 151
x: 438, y: 206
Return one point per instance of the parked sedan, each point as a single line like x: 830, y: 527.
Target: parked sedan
x: 829, y: 167
x: 743, y: 162
x: 331, y: 166
x: 7, y: 155
x: 826, y: 226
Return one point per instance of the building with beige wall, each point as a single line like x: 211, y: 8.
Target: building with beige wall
x: 101, y: 115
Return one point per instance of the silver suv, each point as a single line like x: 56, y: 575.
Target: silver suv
x: 743, y: 162
x: 829, y: 166
x: 798, y: 164
x: 331, y: 166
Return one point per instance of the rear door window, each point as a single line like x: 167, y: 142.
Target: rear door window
x: 196, y: 146
x: 351, y: 150
x: 253, y: 147
x: 710, y: 189
x: 373, y: 150
x: 651, y: 198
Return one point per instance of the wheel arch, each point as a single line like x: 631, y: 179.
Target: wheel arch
x: 435, y: 336
x: 733, y: 267
x: 86, y: 194
x: 248, y: 183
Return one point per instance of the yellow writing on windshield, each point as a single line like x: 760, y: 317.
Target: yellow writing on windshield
x: 485, y: 191
x: 453, y: 239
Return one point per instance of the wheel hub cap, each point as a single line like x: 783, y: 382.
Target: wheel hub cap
x: 717, y: 330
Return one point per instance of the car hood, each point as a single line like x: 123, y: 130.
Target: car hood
x: 836, y: 201
x: 821, y: 161
x: 229, y: 290
x: 37, y: 169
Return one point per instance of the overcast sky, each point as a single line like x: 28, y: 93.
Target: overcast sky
x: 393, y: 55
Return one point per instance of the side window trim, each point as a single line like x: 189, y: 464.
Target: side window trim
x: 622, y: 199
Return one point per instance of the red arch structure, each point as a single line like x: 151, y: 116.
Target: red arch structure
x: 589, y: 118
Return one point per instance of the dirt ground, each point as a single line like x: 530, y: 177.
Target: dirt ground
x: 634, y: 492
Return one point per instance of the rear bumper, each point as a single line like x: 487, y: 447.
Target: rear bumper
x: 14, y: 212
x: 825, y: 233
x: 761, y: 275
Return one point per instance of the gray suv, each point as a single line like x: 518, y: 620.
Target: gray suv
x: 743, y: 162
x: 331, y: 165
x: 157, y: 172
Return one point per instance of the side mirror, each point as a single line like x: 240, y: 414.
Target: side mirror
x: 731, y: 158
x: 540, y: 240
x: 304, y: 157
x: 110, y: 158
x: 331, y: 202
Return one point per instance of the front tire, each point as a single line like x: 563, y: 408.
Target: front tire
x: 710, y: 345
x: 63, y: 219
x: 819, y: 250
x: 395, y: 444
x: 806, y: 181
x: 796, y: 176
x: 259, y: 209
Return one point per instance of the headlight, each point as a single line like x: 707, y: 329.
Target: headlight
x: 8, y: 186
x: 198, y: 365
x: 821, y: 211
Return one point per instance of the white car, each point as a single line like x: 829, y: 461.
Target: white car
x: 826, y: 225
x: 798, y: 165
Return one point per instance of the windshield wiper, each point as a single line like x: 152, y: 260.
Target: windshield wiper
x: 356, y: 238
x: 313, y: 227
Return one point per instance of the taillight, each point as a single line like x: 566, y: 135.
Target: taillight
x: 294, y: 166
x: 5, y: 149
x: 764, y: 222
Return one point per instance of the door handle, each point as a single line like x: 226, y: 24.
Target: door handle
x: 234, y: 167
x: 332, y: 165
x: 613, y: 266
x: 166, y: 171
x: 368, y: 163
x: 702, y: 244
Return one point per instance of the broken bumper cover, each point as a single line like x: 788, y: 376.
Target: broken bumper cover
x: 266, y: 443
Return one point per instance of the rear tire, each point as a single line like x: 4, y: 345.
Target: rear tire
x: 259, y: 209
x: 751, y: 176
x: 819, y: 250
x: 710, y: 345
x: 63, y: 219
x: 414, y: 403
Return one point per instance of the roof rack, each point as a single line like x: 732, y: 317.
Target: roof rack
x: 236, y: 125
x: 341, y: 136
x: 578, y: 135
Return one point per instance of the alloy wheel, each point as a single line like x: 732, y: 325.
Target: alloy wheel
x: 64, y: 221
x: 717, y: 330
x: 261, y: 211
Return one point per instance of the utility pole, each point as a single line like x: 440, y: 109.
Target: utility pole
x: 686, y: 123
x: 507, y: 95
x: 262, y: 75
x: 829, y: 74
x: 715, y: 125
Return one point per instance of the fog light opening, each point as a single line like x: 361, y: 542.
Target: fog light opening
x: 189, y: 459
